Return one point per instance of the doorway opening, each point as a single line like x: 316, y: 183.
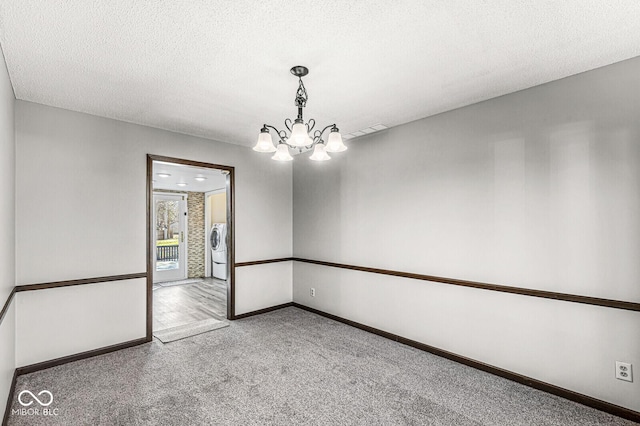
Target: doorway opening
x: 190, y: 253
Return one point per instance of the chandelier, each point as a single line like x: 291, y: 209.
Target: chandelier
x: 299, y: 133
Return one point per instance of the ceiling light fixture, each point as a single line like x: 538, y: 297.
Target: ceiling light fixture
x: 163, y: 174
x: 181, y: 184
x: 298, y: 136
x: 200, y: 178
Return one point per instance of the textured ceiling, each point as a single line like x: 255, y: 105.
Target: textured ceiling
x: 220, y: 69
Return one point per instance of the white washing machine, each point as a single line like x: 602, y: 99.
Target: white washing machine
x: 218, y: 238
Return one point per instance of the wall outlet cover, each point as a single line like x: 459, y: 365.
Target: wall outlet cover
x: 624, y: 371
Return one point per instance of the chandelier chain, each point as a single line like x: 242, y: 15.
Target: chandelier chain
x: 301, y: 95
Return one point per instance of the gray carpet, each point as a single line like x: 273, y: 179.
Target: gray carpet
x: 180, y: 332
x: 290, y: 367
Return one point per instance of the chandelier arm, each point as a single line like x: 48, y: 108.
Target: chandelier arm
x: 288, y: 123
x: 317, y: 138
x: 321, y: 132
x: 307, y: 146
x: 281, y: 133
x: 311, y: 124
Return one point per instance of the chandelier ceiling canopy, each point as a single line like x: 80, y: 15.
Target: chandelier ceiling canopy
x: 298, y: 134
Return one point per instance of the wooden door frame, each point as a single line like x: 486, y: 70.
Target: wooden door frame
x: 231, y: 252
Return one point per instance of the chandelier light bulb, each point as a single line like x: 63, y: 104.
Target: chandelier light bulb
x: 320, y: 153
x: 334, y: 143
x: 265, y: 143
x: 282, y: 153
x: 299, y: 136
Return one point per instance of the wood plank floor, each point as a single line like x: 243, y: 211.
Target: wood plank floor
x: 175, y: 305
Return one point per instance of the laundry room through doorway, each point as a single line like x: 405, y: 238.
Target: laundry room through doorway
x: 215, y: 213
x: 191, y: 243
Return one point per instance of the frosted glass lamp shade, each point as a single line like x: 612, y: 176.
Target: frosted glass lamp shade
x: 320, y: 153
x: 282, y: 153
x: 265, y: 144
x: 299, y: 135
x: 334, y: 143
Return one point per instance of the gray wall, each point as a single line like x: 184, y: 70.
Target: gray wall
x: 90, y: 221
x: 7, y: 224
x: 537, y: 189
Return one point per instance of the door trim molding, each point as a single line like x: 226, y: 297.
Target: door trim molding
x: 231, y: 292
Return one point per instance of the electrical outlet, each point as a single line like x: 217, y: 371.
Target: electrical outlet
x: 624, y: 371
x: 313, y: 292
